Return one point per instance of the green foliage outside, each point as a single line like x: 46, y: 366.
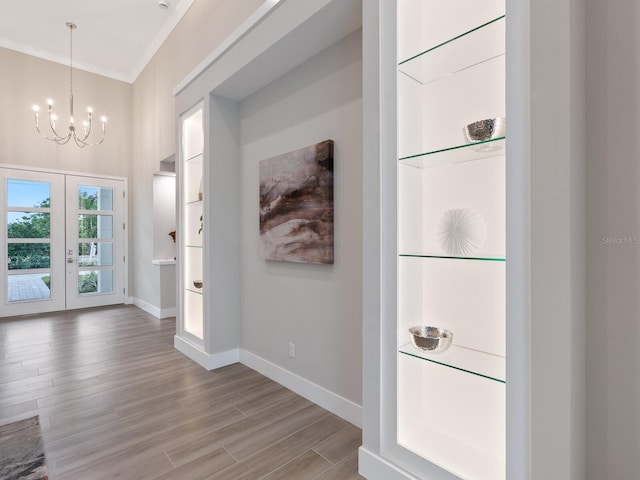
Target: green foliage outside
x: 22, y: 256
x: 30, y: 255
x: 88, y: 282
x: 47, y: 281
x: 88, y: 202
x: 88, y: 224
x: 31, y: 225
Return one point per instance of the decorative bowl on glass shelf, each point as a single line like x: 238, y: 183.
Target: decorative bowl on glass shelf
x: 431, y: 339
x: 197, y: 283
x: 484, y: 130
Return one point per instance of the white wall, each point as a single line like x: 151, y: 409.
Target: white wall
x: 613, y: 240
x: 317, y: 307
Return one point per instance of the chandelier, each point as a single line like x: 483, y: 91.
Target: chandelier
x: 80, y: 139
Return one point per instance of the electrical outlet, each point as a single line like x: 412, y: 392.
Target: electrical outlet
x: 292, y: 350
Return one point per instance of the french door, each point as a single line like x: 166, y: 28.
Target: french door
x: 63, y: 240
x: 95, y: 242
x: 32, y: 236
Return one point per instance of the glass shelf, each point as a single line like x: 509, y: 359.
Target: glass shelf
x: 459, y: 154
x: 466, y: 50
x: 193, y: 291
x: 193, y: 246
x: 197, y: 158
x: 491, y: 367
x: 195, y: 202
x: 487, y: 258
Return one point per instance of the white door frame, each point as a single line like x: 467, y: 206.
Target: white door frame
x: 117, y: 256
x: 56, y: 241
x: 23, y: 308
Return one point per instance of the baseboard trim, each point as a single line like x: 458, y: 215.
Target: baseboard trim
x: 153, y: 310
x: 340, y: 406
x: 374, y: 467
x: 147, y: 307
x: 168, y: 312
x: 210, y: 361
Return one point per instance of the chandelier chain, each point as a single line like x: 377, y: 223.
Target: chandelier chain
x: 71, y: 27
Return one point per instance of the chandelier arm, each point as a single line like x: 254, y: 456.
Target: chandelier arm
x: 53, y: 139
x: 63, y: 141
x: 56, y: 138
x: 38, y: 130
x: 79, y: 143
x: 104, y: 130
x: 52, y: 125
x: 87, y: 144
x: 87, y: 130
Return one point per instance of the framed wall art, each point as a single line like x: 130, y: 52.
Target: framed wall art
x: 296, y: 205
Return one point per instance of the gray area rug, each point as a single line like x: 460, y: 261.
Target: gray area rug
x: 22, y: 451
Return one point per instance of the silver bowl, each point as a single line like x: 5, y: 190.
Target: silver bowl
x: 483, y: 130
x: 197, y: 283
x: 431, y: 339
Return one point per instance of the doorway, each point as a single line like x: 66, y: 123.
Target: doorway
x: 63, y: 237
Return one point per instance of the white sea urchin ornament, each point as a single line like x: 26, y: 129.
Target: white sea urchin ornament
x: 462, y: 231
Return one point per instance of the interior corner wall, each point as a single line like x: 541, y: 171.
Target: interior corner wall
x: 206, y: 25
x: 613, y: 240
x: 556, y: 225
x: 316, y: 307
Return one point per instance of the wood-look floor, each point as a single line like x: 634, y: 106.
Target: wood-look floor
x: 117, y: 401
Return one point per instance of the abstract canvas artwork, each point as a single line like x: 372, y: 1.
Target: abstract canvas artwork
x: 296, y: 205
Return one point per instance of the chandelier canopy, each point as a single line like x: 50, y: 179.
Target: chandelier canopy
x: 82, y: 140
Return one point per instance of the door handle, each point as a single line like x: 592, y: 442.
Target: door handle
x: 70, y: 260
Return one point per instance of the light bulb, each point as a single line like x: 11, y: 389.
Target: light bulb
x: 49, y: 101
x: 103, y: 119
x: 54, y: 117
x: 36, y: 108
x: 89, y: 110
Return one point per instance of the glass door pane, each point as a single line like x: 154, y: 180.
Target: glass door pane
x: 25, y: 230
x: 33, y: 241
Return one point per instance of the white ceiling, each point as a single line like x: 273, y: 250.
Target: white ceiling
x: 114, y: 38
